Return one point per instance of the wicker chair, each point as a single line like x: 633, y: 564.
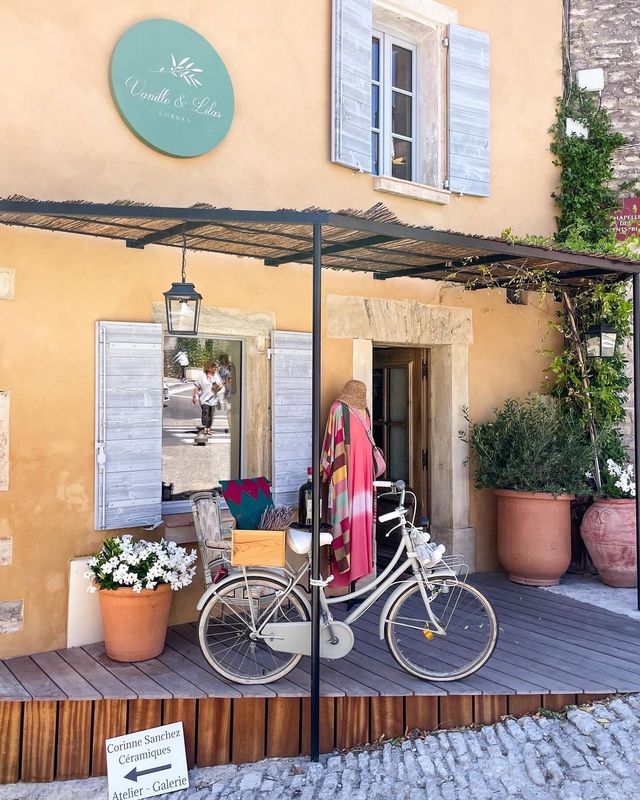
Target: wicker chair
x: 214, y: 534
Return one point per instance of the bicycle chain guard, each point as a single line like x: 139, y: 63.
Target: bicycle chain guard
x: 295, y: 637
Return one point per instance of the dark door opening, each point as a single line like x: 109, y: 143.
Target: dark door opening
x: 399, y: 417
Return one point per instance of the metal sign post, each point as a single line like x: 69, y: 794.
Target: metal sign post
x: 316, y: 443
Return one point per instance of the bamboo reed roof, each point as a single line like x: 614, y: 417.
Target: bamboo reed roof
x: 372, y: 241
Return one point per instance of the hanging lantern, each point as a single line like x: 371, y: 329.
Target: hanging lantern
x: 601, y: 341
x: 182, y: 302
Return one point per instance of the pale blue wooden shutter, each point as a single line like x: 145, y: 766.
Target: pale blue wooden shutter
x: 351, y: 84
x: 128, y: 484
x: 291, y: 365
x: 468, y: 92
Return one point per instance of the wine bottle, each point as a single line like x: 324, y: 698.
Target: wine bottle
x: 305, y: 500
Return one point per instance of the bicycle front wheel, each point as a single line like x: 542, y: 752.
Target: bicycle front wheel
x: 229, y: 621
x: 465, y: 614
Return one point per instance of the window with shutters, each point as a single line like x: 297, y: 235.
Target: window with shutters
x: 408, y: 84
x: 410, y: 98
x: 202, y: 394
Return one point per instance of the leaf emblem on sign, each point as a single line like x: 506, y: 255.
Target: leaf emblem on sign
x: 184, y: 69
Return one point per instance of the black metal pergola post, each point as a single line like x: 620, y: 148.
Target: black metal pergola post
x: 636, y: 412
x: 316, y: 443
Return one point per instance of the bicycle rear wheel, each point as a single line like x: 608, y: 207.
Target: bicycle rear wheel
x: 465, y: 614
x: 230, y: 618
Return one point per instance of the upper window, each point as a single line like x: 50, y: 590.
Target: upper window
x: 202, y: 391
x: 393, y: 107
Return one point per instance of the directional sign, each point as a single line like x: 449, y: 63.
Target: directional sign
x: 147, y: 763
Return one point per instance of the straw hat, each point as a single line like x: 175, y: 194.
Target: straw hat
x: 354, y: 394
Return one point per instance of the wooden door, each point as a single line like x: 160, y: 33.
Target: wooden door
x: 399, y: 414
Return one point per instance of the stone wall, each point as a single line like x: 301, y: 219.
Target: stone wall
x: 607, y: 34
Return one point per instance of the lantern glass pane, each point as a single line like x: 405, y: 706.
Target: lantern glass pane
x: 593, y: 346
x: 608, y: 345
x: 182, y: 315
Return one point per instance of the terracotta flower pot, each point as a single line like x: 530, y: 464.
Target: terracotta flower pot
x: 135, y: 623
x: 534, y: 535
x: 609, y: 532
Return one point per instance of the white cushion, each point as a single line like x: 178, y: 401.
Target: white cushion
x: 300, y: 540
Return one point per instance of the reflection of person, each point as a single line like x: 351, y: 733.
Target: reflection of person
x: 182, y: 360
x: 226, y: 373
x: 209, y: 389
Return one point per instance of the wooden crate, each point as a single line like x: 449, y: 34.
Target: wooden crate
x: 258, y: 548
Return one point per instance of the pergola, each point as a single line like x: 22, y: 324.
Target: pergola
x: 373, y: 242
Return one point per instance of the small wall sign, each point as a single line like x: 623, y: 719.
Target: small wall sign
x: 171, y: 87
x: 627, y: 218
x: 147, y: 763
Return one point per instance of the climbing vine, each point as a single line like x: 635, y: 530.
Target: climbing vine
x: 586, y: 196
x: 604, y: 392
x: 592, y: 390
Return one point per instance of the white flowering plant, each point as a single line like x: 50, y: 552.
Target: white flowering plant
x: 123, y: 562
x: 618, y: 481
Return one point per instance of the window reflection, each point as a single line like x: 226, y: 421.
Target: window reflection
x: 202, y: 385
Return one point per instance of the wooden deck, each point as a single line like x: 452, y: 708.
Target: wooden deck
x: 57, y: 708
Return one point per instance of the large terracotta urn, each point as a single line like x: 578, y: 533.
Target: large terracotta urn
x: 609, y: 532
x: 534, y: 535
x: 135, y: 623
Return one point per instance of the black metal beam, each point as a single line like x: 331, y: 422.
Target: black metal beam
x: 444, y: 265
x: 167, y: 233
x: 332, y: 249
x: 50, y: 208
x: 636, y: 414
x: 400, y: 231
x: 316, y: 439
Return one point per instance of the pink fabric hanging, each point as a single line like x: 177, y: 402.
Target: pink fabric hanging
x: 360, y: 493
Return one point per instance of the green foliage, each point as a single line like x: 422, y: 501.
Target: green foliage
x: 608, y: 382
x: 585, y: 195
x: 586, y: 198
x: 202, y: 351
x: 530, y: 446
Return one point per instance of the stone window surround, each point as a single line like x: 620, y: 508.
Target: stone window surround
x: 254, y: 328
x: 447, y: 332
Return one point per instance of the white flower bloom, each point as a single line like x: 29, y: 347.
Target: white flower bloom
x: 141, y: 564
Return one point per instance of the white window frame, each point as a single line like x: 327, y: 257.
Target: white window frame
x: 385, y: 135
x: 184, y: 506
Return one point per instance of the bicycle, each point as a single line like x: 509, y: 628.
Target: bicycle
x: 255, y: 626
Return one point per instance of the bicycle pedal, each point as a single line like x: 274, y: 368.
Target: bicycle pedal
x: 427, y: 634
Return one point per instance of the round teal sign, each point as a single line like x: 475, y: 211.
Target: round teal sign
x: 171, y: 87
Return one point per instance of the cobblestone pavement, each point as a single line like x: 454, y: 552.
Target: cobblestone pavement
x: 591, y: 753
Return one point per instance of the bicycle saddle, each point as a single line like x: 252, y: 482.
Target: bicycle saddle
x: 299, y: 540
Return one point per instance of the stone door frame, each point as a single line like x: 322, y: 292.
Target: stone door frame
x: 447, y: 333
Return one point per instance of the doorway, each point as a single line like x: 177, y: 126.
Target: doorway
x: 399, y: 419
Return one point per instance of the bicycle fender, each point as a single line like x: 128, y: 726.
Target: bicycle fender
x: 260, y: 573
x: 390, y: 601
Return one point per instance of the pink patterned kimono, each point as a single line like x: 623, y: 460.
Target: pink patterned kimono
x: 347, y: 464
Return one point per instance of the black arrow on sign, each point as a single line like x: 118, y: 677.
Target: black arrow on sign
x: 134, y: 774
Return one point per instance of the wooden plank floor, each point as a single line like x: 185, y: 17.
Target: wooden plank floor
x: 57, y: 708
x: 548, y: 644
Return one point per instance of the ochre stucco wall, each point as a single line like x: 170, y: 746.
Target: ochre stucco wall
x: 49, y: 368
x: 62, y: 138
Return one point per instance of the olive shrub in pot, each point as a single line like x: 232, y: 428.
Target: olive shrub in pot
x: 535, y: 458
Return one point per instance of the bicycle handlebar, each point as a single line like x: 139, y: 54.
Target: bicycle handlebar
x: 397, y: 514
x: 399, y: 485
